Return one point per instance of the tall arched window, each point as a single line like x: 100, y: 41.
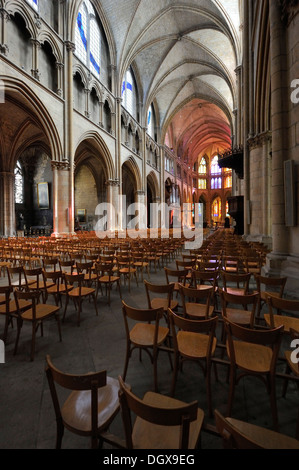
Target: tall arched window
x: 202, y: 170
x: 216, y: 209
x: 19, y: 184
x: 127, y: 92
x: 33, y: 3
x: 151, y: 122
x: 215, y: 169
x: 88, y: 37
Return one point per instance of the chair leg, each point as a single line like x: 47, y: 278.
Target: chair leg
x: 65, y: 308
x: 7, y: 320
x: 209, y: 391
x: 60, y: 432
x: 95, y: 302
x: 175, y: 374
x: 232, y: 385
x: 128, y: 355
x: 19, y: 326
x: 274, y: 404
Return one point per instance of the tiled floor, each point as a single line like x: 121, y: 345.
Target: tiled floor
x: 26, y: 411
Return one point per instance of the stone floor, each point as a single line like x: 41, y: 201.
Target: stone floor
x: 26, y: 410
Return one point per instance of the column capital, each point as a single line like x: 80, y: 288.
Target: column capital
x: 70, y: 46
x: 113, y: 183
x: 60, y: 166
x: 140, y: 192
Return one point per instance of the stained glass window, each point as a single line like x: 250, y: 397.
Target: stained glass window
x: 202, y: 170
x: 19, y: 184
x: 151, y: 122
x: 33, y: 3
x: 88, y: 37
x: 228, y: 182
x: 216, y: 209
x: 127, y: 92
x: 202, y: 183
x: 216, y: 183
x: 215, y: 169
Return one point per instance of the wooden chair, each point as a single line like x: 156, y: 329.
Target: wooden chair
x: 282, y: 312
x: 141, y: 263
x: 193, y: 340
x: 126, y: 269
x: 90, y: 407
x: 35, y: 282
x: 179, y: 276
x: 253, y: 352
x: 164, y: 300
x: 252, y: 264
x: 161, y: 422
x: 235, y: 283
x: 146, y: 334
x: 36, y: 314
x: 106, y: 277
x: 86, y: 268
x: 232, y: 264
x: 292, y: 367
x: 19, y: 272
x: 197, y: 303
x: 243, y: 316
x: 9, y: 308
x: 269, y: 285
x: 78, y: 293
x: 54, y: 281
x: 67, y: 266
x: 50, y: 264
x: 238, y: 434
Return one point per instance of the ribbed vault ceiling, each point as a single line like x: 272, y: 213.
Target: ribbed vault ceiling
x: 184, y: 54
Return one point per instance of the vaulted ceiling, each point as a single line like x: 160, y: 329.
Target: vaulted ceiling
x: 184, y: 54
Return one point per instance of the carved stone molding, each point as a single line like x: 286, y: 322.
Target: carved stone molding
x: 4, y: 14
x: 61, y: 166
x: 113, y: 183
x: 70, y: 46
x: 4, y: 49
x: 259, y: 140
x: 289, y: 9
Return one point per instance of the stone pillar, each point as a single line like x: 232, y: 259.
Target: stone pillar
x: 59, y: 67
x: 101, y: 106
x: 36, y: 45
x: 87, y: 94
x: 279, y: 117
x: 245, y: 106
x: 114, y: 224
x: 4, y: 18
x: 7, y: 204
x: 69, y: 150
x: 266, y: 206
x: 61, y: 202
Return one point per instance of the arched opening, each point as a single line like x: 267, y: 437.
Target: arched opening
x: 48, y: 67
x: 91, y: 175
x: 216, y: 214
x: 129, y: 189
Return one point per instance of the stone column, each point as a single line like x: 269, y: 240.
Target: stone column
x: 36, y: 45
x: 61, y: 203
x: 266, y: 142
x: 69, y: 150
x: 115, y: 223
x: 7, y: 204
x: 279, y: 117
x: 4, y: 18
x: 59, y: 68
x: 245, y: 106
x: 101, y: 106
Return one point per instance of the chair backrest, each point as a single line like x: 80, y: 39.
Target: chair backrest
x: 19, y: 270
x: 232, y: 437
x: 88, y: 381
x: 278, y: 305
x: 190, y: 294
x: 35, y: 272
x: 172, y: 416
x: 71, y: 279
x: 245, y: 300
x: 179, y: 274
x: 201, y: 277
x: 271, y: 338
x: 32, y: 296
x: 142, y: 315
x: 194, y: 326
x: 158, y: 289
x: 6, y: 291
x: 272, y: 284
x: 239, y: 280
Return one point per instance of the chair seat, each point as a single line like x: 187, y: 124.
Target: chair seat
x: 61, y: 289
x: 42, y: 311
x: 108, y: 279
x: 41, y: 285
x: 241, y: 317
x: 13, y: 307
x: 153, y: 436
x: 90, y: 277
x: 2, y: 299
x: 294, y: 367
x: 266, y: 438
x: 194, y: 345
x: 253, y: 357
x: 198, y: 310
x: 76, y: 410
x: 84, y: 291
x: 143, y: 334
x: 235, y: 291
x: 163, y: 303
x: 287, y: 322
